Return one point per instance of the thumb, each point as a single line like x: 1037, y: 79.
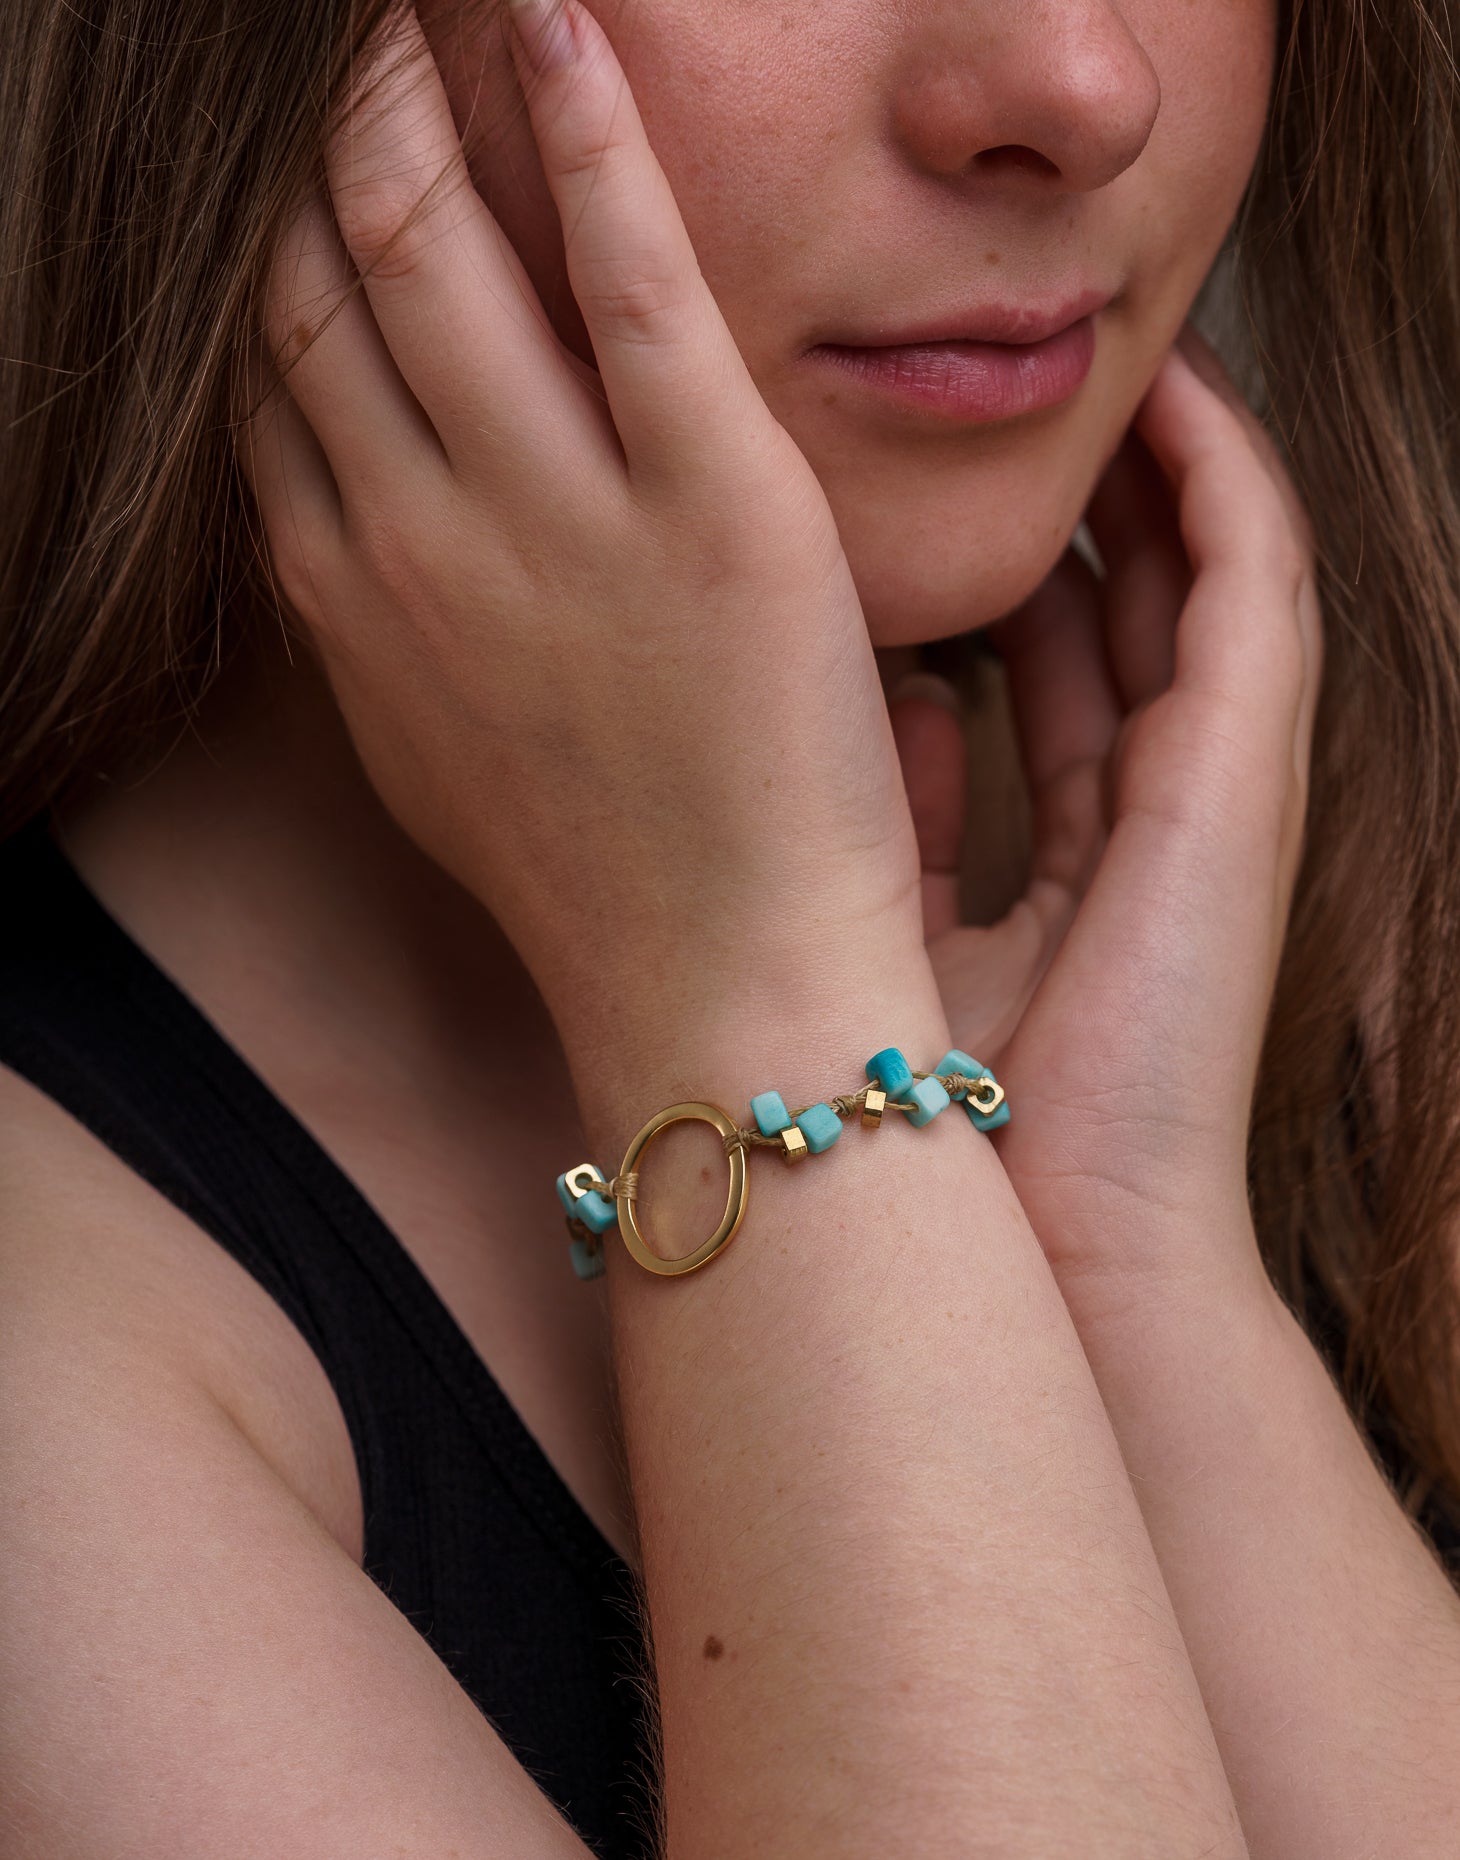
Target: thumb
x: 927, y: 728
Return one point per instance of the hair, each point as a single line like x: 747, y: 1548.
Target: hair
x: 135, y: 235
x: 1347, y: 267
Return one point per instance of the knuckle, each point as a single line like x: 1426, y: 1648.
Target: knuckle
x: 1288, y: 664
x: 380, y: 219
x: 635, y: 301
x: 595, y: 154
x: 1276, y: 554
x: 297, y: 571
x: 390, y: 558
x: 1291, y: 564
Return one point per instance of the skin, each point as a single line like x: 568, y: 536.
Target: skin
x: 1001, y: 151
x: 1164, y: 725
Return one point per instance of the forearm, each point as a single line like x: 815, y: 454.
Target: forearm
x: 901, y: 1594
x: 1325, y: 1636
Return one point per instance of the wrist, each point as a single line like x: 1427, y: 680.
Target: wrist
x: 1210, y: 1293
x: 794, y: 1017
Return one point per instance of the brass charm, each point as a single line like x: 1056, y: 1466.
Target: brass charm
x: 985, y: 1095
x: 735, y: 1200
x: 873, y: 1105
x: 582, y: 1179
x: 793, y: 1144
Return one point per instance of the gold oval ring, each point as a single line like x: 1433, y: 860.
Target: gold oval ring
x: 628, y: 1224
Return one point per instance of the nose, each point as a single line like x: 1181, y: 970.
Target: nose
x: 1054, y: 94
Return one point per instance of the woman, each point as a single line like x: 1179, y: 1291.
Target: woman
x: 573, y: 517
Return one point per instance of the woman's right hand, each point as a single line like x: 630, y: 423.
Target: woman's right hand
x: 593, y: 633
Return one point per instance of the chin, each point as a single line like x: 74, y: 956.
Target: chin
x: 915, y: 588
x: 955, y: 531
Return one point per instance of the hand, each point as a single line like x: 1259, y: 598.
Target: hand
x: 593, y: 633
x: 1165, y: 716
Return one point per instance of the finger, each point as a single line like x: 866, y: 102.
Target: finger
x: 1066, y: 713
x: 1208, y: 365
x: 934, y: 756
x: 1064, y: 701
x: 1132, y: 518
x: 330, y: 351
x: 679, y: 392
x: 285, y: 468
x: 453, y: 304
x: 1242, y: 634
x: 1244, y: 671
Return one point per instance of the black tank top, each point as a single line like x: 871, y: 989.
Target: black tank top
x: 469, y: 1529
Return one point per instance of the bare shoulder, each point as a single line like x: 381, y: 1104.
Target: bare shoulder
x: 193, y: 1662
x: 103, y: 1280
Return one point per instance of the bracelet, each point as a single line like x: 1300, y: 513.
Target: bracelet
x: 593, y: 1205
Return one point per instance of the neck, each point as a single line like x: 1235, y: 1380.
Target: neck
x: 252, y: 858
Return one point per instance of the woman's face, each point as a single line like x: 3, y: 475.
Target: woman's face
x: 853, y: 172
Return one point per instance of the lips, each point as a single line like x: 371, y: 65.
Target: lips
x: 1003, y: 323
x: 995, y: 362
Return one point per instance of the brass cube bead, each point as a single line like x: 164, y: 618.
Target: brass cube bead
x: 794, y: 1144
x: 873, y: 1105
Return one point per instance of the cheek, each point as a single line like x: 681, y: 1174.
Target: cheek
x: 726, y: 103
x: 750, y: 113
x: 948, y: 535
x: 1216, y: 68
x: 774, y: 138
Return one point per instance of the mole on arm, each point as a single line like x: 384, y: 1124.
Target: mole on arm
x: 714, y: 1647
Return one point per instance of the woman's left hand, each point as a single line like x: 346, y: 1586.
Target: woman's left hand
x: 1165, y: 716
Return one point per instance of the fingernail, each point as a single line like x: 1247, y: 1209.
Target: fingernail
x: 543, y: 31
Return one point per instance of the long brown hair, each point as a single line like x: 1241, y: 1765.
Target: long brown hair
x: 1348, y: 268
x: 155, y: 150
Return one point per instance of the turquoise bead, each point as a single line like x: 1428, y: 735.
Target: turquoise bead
x: 993, y: 1121
x: 572, y: 1204
x: 587, y: 1265
x: 930, y: 1098
x: 955, y: 1060
x: 820, y: 1126
x: 596, y: 1211
x: 768, y: 1108
x: 891, y: 1071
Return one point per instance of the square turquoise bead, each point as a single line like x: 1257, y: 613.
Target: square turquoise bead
x: 587, y: 1265
x: 993, y: 1121
x: 955, y: 1060
x: 768, y: 1108
x: 596, y: 1211
x: 930, y: 1098
x: 820, y: 1126
x: 566, y: 1195
x: 891, y: 1071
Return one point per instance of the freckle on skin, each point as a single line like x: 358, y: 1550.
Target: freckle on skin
x: 991, y: 258
x: 828, y: 400
x: 714, y: 1647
